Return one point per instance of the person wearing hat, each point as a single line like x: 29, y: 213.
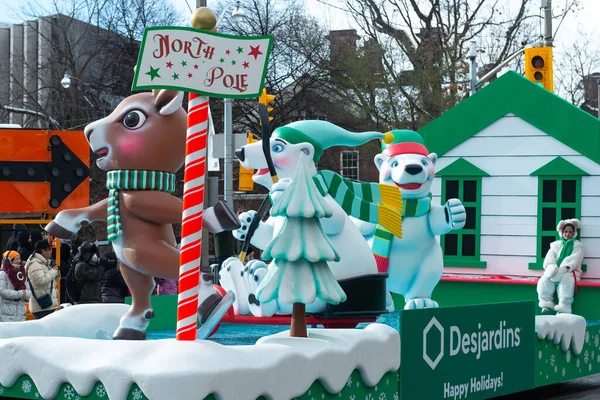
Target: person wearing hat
x: 25, y: 248
x: 13, y: 291
x: 562, y: 269
x: 88, y: 272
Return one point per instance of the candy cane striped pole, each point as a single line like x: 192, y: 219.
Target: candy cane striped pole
x: 191, y: 226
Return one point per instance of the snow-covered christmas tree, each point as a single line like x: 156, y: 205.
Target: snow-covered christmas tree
x: 300, y: 273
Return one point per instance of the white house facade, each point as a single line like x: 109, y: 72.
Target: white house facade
x: 520, y: 159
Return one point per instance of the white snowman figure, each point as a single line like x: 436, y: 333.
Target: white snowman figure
x: 415, y: 261
x: 562, y: 268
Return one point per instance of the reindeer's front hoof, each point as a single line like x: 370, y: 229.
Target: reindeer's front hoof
x: 129, y: 334
x: 133, y: 326
x: 58, y: 231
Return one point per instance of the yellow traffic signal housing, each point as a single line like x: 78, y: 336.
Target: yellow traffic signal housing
x: 266, y: 99
x: 538, y: 66
x: 245, y: 182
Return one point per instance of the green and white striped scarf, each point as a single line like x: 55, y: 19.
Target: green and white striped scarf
x: 370, y: 202
x: 132, y: 180
x: 382, y: 240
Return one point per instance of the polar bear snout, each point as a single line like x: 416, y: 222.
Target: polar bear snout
x: 240, y: 154
x: 413, y: 169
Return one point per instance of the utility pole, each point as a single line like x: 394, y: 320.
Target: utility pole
x: 200, y: 3
x: 547, y: 6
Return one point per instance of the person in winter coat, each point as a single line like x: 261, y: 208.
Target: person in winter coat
x: 13, y: 291
x: 88, y: 272
x: 12, y: 243
x: 42, y: 277
x: 112, y: 284
x: 166, y: 286
x: 25, y: 248
x: 562, y: 268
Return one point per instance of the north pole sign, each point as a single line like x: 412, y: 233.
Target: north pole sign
x: 203, y: 62
x: 43, y: 171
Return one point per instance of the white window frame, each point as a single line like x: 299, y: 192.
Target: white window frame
x: 344, y: 167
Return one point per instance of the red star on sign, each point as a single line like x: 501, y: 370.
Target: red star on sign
x: 255, y: 51
x: 246, y: 64
x: 169, y: 64
x: 227, y: 52
x: 195, y: 66
x: 190, y: 75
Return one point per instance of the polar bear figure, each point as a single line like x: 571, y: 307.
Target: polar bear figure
x: 414, y: 262
x: 287, y: 143
x: 562, y: 268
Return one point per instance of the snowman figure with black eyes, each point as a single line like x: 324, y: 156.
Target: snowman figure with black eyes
x: 415, y: 261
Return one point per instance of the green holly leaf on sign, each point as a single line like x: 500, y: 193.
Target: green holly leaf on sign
x: 153, y: 73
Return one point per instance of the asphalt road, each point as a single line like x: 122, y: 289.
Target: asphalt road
x: 582, y: 388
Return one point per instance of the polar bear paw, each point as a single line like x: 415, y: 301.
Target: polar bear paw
x: 245, y: 220
x: 231, y: 280
x: 419, y: 303
x: 456, y: 214
x: 253, y: 274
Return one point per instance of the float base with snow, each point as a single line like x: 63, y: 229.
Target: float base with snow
x: 43, y: 359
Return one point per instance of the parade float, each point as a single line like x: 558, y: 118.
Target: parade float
x: 466, y: 347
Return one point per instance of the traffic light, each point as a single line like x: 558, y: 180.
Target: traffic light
x: 266, y: 99
x: 538, y: 66
x: 245, y: 182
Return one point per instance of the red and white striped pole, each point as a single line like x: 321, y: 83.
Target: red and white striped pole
x: 191, y: 225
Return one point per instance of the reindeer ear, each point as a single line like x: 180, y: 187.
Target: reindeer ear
x: 168, y: 101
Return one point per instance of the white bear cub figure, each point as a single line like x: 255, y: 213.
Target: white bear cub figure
x: 562, y: 269
x: 415, y: 261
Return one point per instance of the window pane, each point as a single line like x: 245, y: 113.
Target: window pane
x: 468, y: 245
x: 451, y: 190
x: 548, y: 219
x: 569, y: 191
x: 546, y: 240
x: 470, y: 191
x: 451, y: 244
x: 567, y: 213
x: 471, y: 218
x: 549, y: 191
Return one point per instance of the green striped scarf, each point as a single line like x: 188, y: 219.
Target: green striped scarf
x: 370, y: 202
x: 132, y: 180
x: 382, y: 239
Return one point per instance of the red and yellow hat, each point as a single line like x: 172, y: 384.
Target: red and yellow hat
x: 404, y: 142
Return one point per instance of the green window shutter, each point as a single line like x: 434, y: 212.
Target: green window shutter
x: 559, y: 197
x: 462, y: 180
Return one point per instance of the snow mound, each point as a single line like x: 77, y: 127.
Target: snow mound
x: 81, y: 321
x: 566, y: 329
x: 278, y: 366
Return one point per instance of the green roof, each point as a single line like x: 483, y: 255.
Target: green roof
x: 559, y: 167
x: 461, y: 167
x: 513, y: 93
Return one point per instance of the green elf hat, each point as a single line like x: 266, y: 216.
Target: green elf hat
x: 404, y: 142
x: 323, y: 135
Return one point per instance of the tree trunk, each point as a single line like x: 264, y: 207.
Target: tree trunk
x: 298, y: 327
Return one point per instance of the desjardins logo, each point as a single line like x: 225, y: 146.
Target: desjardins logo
x: 469, y: 343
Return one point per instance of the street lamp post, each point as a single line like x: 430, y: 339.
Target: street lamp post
x: 238, y: 15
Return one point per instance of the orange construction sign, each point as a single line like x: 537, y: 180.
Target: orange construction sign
x: 43, y: 171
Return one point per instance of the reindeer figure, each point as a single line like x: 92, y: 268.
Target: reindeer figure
x: 141, y: 145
